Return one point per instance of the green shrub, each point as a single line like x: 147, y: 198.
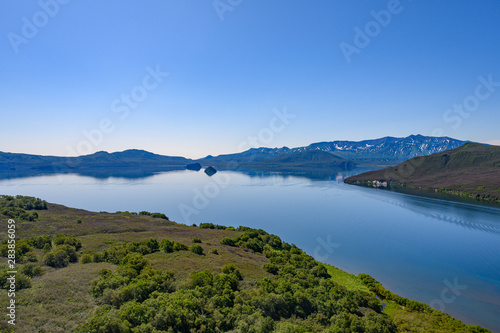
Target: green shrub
x: 320, y: 271
x: 57, y: 261
x: 214, y: 251
x: 22, y: 281
x: 40, y: 241
x: 79, y: 221
x: 271, y: 268
x: 167, y: 245
x: 61, y: 239
x: 196, y: 240
x: 180, y: 247
x: 61, y: 256
x: 159, y: 216
x: 86, y: 258
x: 135, y: 261
x: 195, y: 248
x: 24, y: 246
x: 97, y: 257
x: 228, y: 241
x: 47, y: 247
x: 31, y: 257
x: 31, y: 270
x: 231, y: 269
x: 201, y: 279
x: 152, y: 244
x: 105, y: 321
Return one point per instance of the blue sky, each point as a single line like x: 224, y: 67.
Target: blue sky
x: 75, y: 76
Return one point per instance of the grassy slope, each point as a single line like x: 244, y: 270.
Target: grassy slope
x: 60, y: 299
x: 472, y: 170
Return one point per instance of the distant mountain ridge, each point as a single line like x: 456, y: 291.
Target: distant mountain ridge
x: 129, y: 157
x: 128, y: 163
x: 386, y: 151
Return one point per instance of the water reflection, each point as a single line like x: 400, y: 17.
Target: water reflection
x: 144, y: 172
x: 433, y: 208
x: 98, y: 173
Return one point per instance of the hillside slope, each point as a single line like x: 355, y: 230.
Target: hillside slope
x: 472, y: 170
x: 81, y: 271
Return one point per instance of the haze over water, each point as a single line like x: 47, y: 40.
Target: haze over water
x: 439, y: 252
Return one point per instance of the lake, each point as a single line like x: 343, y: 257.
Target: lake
x: 443, y: 253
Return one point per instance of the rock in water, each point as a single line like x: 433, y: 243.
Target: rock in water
x: 194, y: 166
x: 210, y: 171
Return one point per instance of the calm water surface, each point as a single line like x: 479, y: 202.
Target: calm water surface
x: 443, y: 253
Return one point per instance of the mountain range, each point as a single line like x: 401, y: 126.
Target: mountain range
x: 342, y: 155
x: 384, y: 151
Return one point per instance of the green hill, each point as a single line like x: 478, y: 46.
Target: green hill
x: 472, y: 170
x: 81, y: 271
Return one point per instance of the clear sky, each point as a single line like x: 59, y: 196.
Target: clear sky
x: 83, y: 76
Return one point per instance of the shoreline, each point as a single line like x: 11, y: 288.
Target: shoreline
x: 429, y: 192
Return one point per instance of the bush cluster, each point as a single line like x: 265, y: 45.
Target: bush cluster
x: 24, y: 248
x: 255, y: 240
x: 115, y: 254
x: 61, y: 256
x: 146, y: 213
x: 61, y: 239
x: 299, y: 297
x: 25, y: 202
x: 15, y: 207
x: 214, y: 226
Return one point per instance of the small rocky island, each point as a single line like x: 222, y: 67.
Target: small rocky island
x: 210, y: 171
